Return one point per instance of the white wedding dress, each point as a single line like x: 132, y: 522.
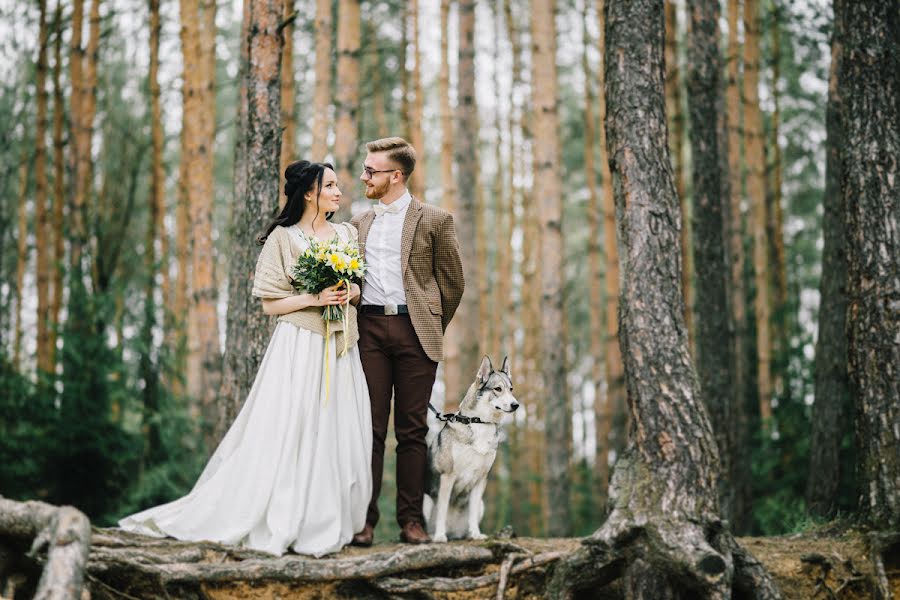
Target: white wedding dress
x: 293, y: 471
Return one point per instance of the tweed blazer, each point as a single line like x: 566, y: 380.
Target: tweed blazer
x: 432, y: 270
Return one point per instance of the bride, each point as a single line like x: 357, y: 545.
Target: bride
x: 294, y: 470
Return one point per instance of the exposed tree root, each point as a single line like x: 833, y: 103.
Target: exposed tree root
x: 65, y: 534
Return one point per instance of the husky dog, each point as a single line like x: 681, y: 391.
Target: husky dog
x: 462, y: 453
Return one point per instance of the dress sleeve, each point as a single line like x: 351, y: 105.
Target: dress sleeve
x: 272, y: 279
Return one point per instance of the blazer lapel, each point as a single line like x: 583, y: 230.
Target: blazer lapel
x: 364, y: 224
x: 413, y: 214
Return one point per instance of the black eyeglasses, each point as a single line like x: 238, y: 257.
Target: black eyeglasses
x: 369, y: 171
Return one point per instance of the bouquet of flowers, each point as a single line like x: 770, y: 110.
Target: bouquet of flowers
x: 328, y: 263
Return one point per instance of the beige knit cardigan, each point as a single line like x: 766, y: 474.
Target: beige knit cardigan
x: 273, y: 280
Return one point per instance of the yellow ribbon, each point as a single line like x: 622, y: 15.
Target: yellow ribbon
x: 327, y: 357
x: 346, y: 321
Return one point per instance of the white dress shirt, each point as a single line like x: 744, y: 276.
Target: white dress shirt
x: 384, y: 279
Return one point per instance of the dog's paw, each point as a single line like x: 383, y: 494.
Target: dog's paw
x: 477, y: 536
x: 439, y: 538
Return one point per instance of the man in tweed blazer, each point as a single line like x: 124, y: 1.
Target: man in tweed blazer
x: 413, y: 285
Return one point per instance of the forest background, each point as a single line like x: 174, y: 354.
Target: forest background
x: 130, y: 200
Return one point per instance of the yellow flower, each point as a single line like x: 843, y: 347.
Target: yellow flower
x: 354, y: 263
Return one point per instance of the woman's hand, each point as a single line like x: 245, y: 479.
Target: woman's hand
x: 355, y: 293
x: 330, y: 296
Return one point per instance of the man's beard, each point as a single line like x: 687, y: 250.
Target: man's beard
x: 377, y: 192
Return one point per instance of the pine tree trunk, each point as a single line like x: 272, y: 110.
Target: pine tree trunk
x: 43, y: 234
x: 548, y: 193
x: 448, y: 183
x: 602, y: 413
x: 500, y: 292
x: 517, y: 431
x: 830, y: 409
x: 204, y: 360
x: 869, y: 91
x: 248, y: 328
x: 21, y: 256
x: 288, y: 108
x: 402, y: 51
x: 615, y: 412
x: 322, y: 89
x: 756, y: 194
x: 774, y: 214
x: 663, y: 493
x: 58, y: 184
x: 76, y: 67
x: 676, y: 144
x: 709, y: 152
x: 416, y: 133
x: 737, y: 291
x: 346, y: 134
x: 464, y: 331
x: 155, y: 230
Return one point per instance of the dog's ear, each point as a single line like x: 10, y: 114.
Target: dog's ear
x: 484, y: 371
x: 505, y: 367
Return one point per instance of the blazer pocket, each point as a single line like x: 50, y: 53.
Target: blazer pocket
x: 436, y: 309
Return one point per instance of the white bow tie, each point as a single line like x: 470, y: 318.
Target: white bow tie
x: 392, y: 208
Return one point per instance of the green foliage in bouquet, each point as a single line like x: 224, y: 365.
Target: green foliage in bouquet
x: 327, y: 263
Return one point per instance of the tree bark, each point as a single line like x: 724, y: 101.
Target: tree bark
x: 59, y: 198
x: 756, y: 193
x: 676, y: 143
x: 288, y: 108
x: 774, y: 214
x: 43, y: 234
x: 448, y: 183
x: 248, y: 328
x: 346, y: 134
x: 204, y: 359
x: 832, y: 395
x: 66, y: 534
x: 416, y: 133
x: 548, y: 192
x: 21, y: 256
x: 322, y: 89
x: 615, y: 369
x: 663, y: 494
x: 870, y: 187
x: 737, y: 292
x: 709, y: 151
x: 602, y: 412
x: 463, y: 333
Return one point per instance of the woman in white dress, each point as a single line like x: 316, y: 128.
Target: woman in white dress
x: 294, y: 470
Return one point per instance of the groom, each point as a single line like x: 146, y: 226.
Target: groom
x: 413, y: 284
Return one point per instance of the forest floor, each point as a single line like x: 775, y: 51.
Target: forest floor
x: 807, y: 566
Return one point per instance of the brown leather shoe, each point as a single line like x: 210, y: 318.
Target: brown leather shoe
x: 365, y: 537
x: 413, y: 533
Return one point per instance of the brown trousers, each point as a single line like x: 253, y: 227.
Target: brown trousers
x: 396, y: 365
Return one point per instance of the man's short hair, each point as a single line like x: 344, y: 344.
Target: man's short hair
x: 398, y: 150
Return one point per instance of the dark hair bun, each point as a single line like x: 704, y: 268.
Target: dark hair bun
x: 294, y: 176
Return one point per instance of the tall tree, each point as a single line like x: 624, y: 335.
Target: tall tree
x: 416, y: 133
x: 548, y: 193
x: 663, y: 494
x: 736, y: 288
x: 602, y: 413
x: 462, y: 362
x: 21, y: 256
x: 615, y: 413
x: 831, y: 386
x: 756, y: 195
x: 59, y: 198
x: 448, y: 183
x: 322, y: 89
x: 869, y: 92
x: 676, y: 143
x: 288, y: 108
x: 775, y: 212
x: 44, y: 235
x: 346, y: 134
x: 204, y: 360
x: 709, y: 152
x: 248, y: 327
